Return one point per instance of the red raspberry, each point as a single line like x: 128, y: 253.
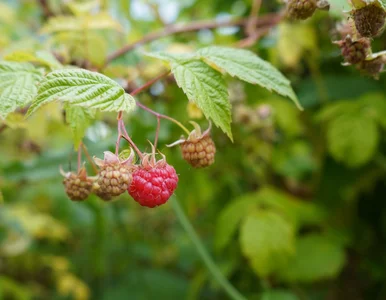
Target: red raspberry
x: 153, y: 182
x: 77, y: 186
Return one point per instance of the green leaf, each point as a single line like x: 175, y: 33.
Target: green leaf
x: 279, y: 295
x: 267, y: 240
x: 203, y: 86
x: 299, y: 212
x: 248, y: 67
x: 94, y: 50
x: 294, y: 159
x: 17, y: 85
x: 230, y: 218
x: 316, y: 258
x: 375, y: 105
x: 79, y: 119
x: 42, y: 57
x: 82, y: 88
x: 353, y: 139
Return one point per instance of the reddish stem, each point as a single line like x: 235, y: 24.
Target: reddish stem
x: 157, y: 132
x: 118, y: 138
x: 149, y: 83
x: 158, y: 115
x: 126, y: 136
x: 265, y: 21
x: 79, y: 156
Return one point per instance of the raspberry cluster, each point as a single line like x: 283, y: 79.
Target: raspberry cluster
x: 151, y: 183
x: 356, y: 50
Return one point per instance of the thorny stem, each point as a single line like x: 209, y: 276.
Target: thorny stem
x: 85, y: 151
x: 158, y: 115
x: 251, y: 23
x: 149, y: 83
x: 121, y: 127
x: 254, y: 31
x: 264, y: 22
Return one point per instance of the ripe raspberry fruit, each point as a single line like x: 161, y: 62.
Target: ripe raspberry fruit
x: 114, y: 175
x: 77, y: 186
x: 153, y: 182
x: 369, y: 20
x: 198, y: 149
x: 354, y: 52
x: 301, y: 9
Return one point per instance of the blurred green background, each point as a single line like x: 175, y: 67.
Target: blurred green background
x: 293, y: 209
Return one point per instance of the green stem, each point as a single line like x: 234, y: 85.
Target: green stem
x: 210, y: 264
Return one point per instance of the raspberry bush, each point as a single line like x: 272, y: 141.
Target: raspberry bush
x: 283, y: 168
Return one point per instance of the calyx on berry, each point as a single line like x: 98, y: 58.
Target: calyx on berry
x: 115, y: 175
x: 154, y: 182
x: 198, y: 149
x: 77, y: 186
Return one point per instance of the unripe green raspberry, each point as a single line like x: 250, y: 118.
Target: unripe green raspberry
x: 97, y: 190
x: 301, y: 9
x: 199, y: 152
x: 369, y: 20
x: 114, y: 176
x: 198, y: 149
x: 77, y: 186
